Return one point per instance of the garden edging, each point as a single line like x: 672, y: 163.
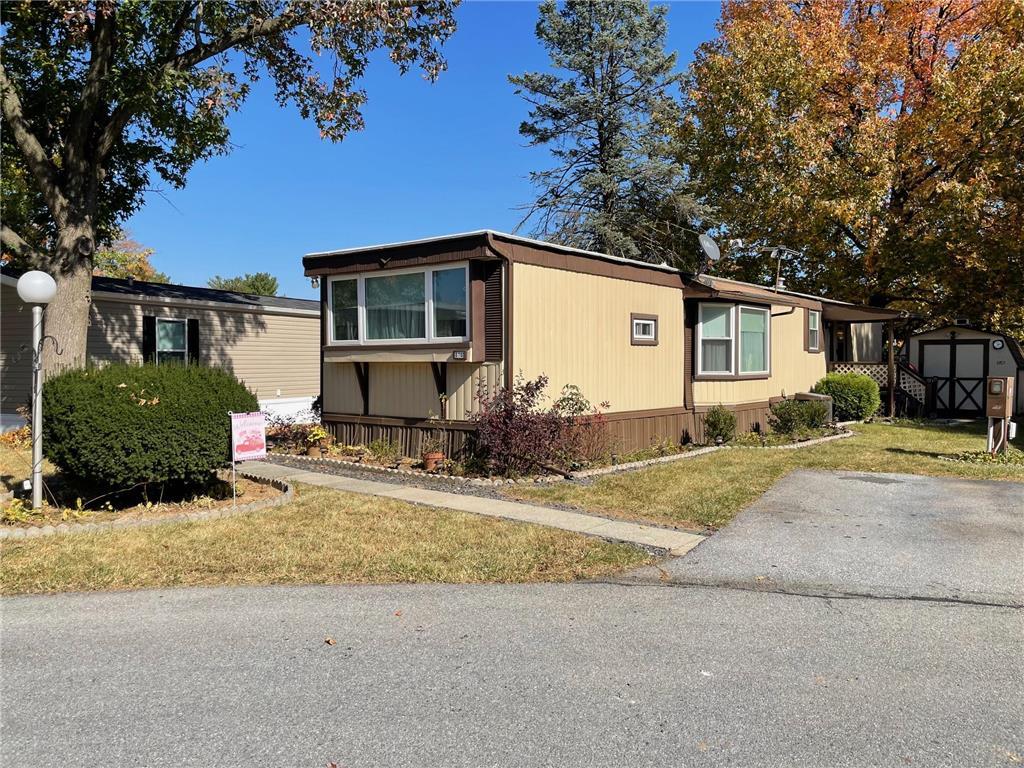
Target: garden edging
x: 288, y: 495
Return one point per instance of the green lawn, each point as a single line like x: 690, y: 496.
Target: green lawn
x: 324, y: 537
x: 708, y: 491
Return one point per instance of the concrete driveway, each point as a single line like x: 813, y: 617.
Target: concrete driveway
x: 768, y: 645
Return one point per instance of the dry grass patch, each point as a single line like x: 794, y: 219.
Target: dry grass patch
x: 324, y: 537
x: 708, y: 491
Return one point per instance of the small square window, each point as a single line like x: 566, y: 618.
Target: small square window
x: 643, y: 330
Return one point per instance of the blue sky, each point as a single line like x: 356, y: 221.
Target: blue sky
x: 433, y: 159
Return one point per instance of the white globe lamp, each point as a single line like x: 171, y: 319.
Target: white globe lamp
x: 38, y: 289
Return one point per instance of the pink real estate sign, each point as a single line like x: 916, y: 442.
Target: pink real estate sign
x: 248, y: 436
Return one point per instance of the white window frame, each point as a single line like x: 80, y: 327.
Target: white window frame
x: 156, y: 342
x: 767, y: 312
x: 428, y: 294
x: 639, y: 336
x: 816, y: 313
x: 731, y: 338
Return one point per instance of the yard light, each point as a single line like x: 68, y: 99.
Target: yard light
x: 38, y: 289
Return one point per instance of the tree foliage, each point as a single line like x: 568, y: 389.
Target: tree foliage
x: 883, y: 141
x: 103, y: 99
x: 126, y: 258
x: 258, y: 283
x: 601, y: 113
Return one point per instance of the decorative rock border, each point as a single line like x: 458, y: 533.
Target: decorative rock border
x: 797, y: 445
x: 34, y: 532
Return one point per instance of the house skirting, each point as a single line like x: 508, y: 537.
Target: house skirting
x: 630, y: 430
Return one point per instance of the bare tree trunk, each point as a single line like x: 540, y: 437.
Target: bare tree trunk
x: 67, y: 316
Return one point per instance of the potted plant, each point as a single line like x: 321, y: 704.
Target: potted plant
x: 433, y: 451
x: 317, y: 440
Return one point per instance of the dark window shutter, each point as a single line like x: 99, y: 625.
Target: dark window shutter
x: 493, y: 320
x: 148, y: 338
x: 193, y: 341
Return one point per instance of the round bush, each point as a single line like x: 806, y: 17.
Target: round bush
x: 123, y: 426
x: 719, y: 424
x: 854, y: 396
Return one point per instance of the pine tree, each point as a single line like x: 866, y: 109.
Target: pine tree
x: 602, y: 112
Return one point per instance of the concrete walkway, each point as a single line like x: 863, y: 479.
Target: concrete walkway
x: 672, y: 541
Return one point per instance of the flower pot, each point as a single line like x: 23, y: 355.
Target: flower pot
x: 316, y: 450
x: 432, y: 459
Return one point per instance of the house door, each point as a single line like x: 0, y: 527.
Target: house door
x: 959, y: 368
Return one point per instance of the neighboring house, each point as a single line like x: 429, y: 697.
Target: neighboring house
x: 958, y: 359
x: 420, y: 330
x: 270, y: 343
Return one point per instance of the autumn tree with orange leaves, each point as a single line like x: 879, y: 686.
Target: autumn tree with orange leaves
x: 884, y: 141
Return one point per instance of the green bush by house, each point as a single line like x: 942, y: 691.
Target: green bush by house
x: 719, y: 424
x: 854, y: 396
x: 793, y: 417
x: 123, y: 426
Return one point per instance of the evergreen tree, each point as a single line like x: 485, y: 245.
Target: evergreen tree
x: 602, y: 113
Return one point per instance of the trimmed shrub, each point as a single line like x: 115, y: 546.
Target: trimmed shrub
x: 787, y: 417
x: 719, y: 424
x: 815, y: 413
x: 854, y: 396
x: 124, y: 426
x: 793, y: 417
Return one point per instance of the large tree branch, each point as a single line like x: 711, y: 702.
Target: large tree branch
x: 99, y: 65
x: 16, y: 244
x: 32, y: 151
x: 194, y: 56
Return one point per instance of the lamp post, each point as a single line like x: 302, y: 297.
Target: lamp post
x: 38, y: 289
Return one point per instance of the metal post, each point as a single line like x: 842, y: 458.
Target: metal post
x: 37, y: 406
x: 892, y: 369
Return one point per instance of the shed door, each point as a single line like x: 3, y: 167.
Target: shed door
x: 959, y: 368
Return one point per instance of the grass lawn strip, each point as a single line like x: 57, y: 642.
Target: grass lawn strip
x: 324, y: 537
x: 708, y: 491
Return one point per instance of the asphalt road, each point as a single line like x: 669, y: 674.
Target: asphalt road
x: 703, y: 664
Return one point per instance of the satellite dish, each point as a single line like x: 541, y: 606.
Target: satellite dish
x: 710, y: 248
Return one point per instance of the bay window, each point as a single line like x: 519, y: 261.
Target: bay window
x: 754, y: 324
x: 715, y: 350
x: 345, y: 303
x: 733, y: 340
x: 425, y: 305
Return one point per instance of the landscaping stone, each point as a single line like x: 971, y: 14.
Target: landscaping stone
x: 286, y: 497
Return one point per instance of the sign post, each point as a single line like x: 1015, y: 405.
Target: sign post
x: 248, y: 441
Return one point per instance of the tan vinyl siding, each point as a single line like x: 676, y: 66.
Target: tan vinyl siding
x: 575, y: 328
x: 15, y: 363
x: 404, y: 390
x: 275, y: 355
x: 408, y: 390
x: 792, y: 369
x: 341, y: 389
x: 465, y: 382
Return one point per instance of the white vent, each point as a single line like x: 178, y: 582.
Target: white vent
x: 961, y: 321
